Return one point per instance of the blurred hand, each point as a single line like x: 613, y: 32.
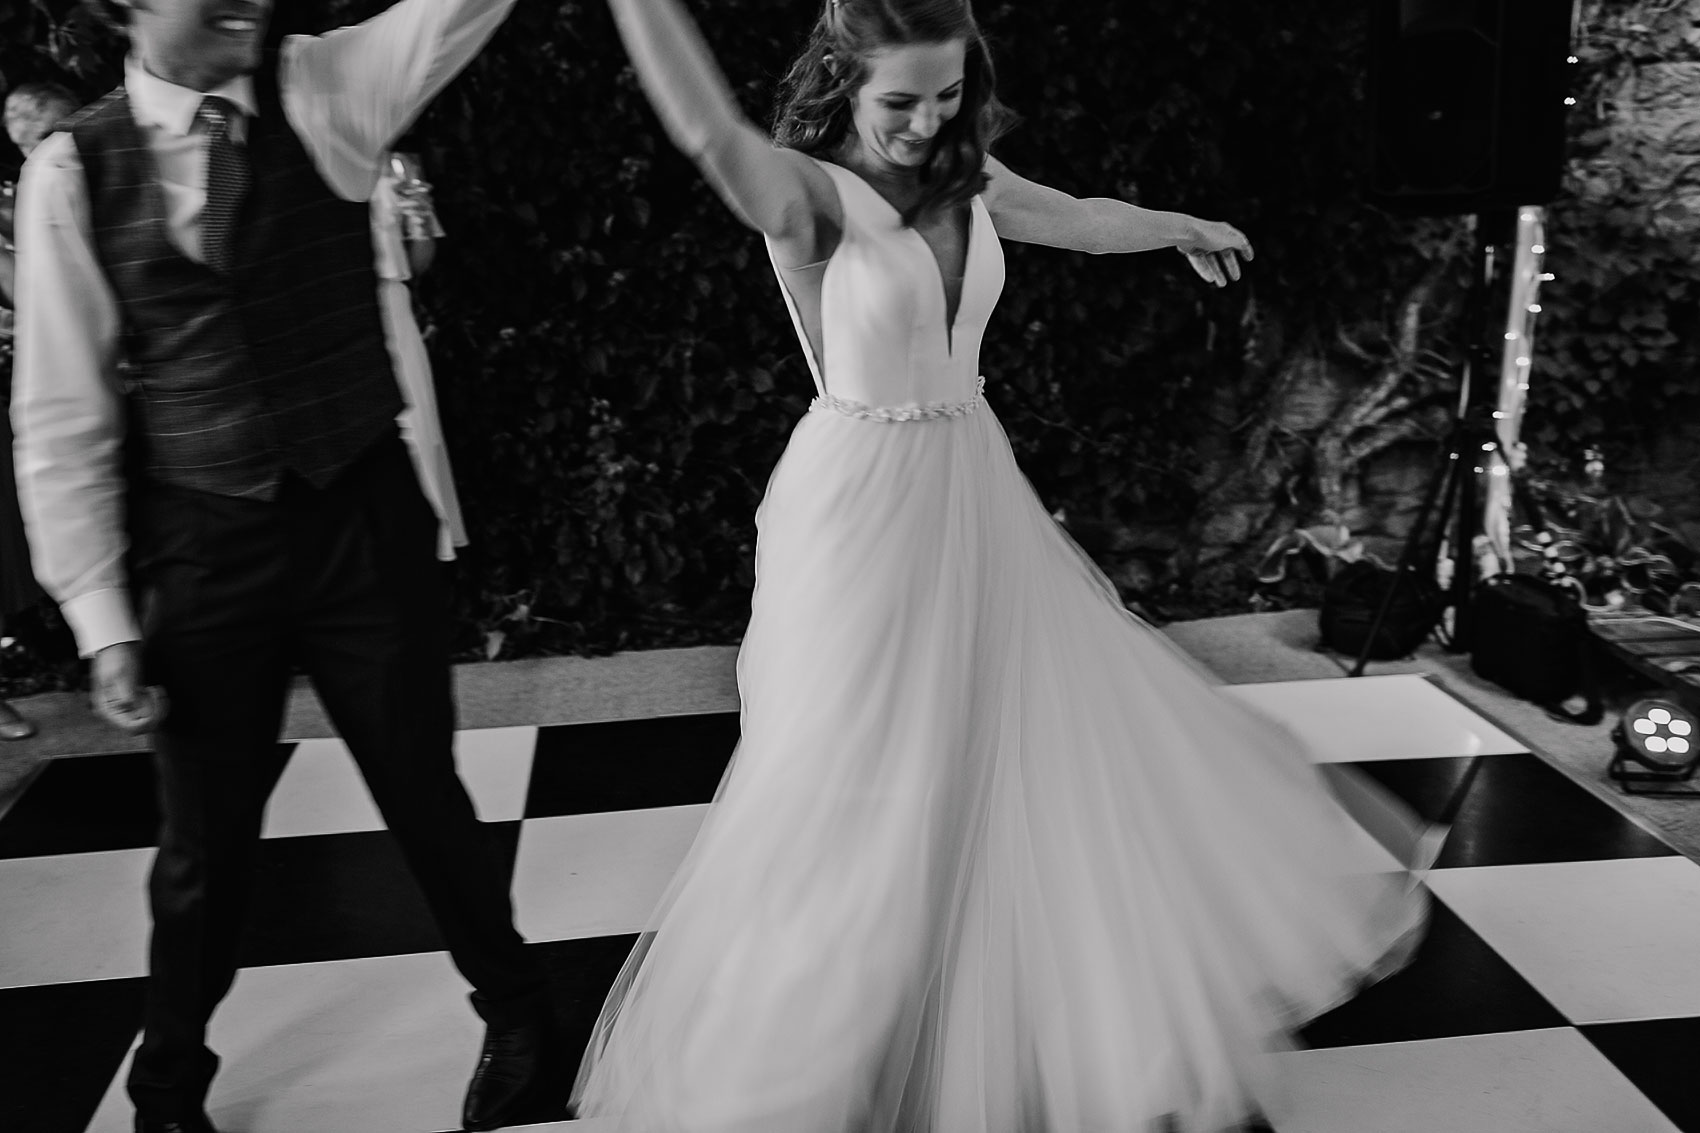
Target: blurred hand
x: 1214, y: 250
x: 117, y: 693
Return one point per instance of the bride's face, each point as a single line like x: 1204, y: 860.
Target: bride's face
x: 910, y: 93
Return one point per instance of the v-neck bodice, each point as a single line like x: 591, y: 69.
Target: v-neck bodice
x: 884, y: 338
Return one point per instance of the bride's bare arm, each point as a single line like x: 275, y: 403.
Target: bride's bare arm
x: 777, y: 191
x: 1032, y: 213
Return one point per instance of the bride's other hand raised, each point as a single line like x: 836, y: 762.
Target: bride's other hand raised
x: 1215, y: 250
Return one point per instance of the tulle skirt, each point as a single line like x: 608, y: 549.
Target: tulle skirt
x: 992, y: 856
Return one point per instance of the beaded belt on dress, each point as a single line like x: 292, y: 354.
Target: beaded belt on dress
x: 893, y: 413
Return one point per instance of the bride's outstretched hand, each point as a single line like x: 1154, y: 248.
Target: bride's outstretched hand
x: 1215, y: 250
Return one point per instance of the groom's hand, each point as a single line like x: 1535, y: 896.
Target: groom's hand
x: 118, y: 694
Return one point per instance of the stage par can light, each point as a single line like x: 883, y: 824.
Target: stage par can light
x: 1662, y: 739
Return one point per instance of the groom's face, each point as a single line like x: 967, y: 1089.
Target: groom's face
x: 199, y: 44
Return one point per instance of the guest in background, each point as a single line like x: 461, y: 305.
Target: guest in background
x: 405, y: 233
x: 31, y: 111
x: 34, y: 109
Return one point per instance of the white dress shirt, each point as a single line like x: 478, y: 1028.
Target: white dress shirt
x: 347, y: 95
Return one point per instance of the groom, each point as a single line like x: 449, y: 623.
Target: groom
x: 216, y: 492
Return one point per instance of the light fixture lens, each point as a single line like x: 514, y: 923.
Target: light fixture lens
x: 1657, y: 733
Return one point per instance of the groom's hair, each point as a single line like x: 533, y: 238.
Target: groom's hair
x: 812, y: 113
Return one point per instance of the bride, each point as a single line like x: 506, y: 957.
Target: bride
x: 991, y: 856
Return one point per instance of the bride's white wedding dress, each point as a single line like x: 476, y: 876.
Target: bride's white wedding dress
x: 992, y: 856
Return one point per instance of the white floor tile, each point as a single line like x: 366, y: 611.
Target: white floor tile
x: 380, y: 1045
x: 1547, y: 1081
x: 598, y: 874
x: 496, y: 766
x: 321, y: 791
x: 1401, y: 716
x: 73, y: 917
x: 1605, y: 941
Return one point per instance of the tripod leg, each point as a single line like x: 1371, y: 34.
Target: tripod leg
x: 1464, y: 555
x: 1445, y: 474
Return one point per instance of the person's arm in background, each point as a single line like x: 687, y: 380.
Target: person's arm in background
x: 8, y: 257
x: 421, y: 250
x: 416, y: 215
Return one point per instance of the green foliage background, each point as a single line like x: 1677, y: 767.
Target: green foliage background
x: 618, y: 375
x: 1619, y: 345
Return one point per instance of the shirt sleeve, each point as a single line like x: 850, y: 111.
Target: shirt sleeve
x: 68, y: 405
x: 351, y: 92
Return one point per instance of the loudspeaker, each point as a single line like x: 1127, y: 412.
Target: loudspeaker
x: 1467, y: 102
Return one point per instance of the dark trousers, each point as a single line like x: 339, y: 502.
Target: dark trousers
x: 233, y: 593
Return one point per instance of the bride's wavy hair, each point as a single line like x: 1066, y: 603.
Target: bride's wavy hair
x: 813, y: 110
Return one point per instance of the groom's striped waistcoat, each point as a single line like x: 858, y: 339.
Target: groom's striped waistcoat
x: 233, y: 381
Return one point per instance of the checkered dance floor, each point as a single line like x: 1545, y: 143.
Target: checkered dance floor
x: 1558, y: 992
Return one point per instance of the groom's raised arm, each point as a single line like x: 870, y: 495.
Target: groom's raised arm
x: 350, y: 92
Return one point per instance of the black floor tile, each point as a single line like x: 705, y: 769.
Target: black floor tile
x: 1456, y: 985
x: 1658, y: 1055
x: 630, y: 764
x: 89, y: 803
x: 580, y: 974
x: 345, y: 896
x: 1518, y: 809
x: 60, y: 1046
x: 81, y: 805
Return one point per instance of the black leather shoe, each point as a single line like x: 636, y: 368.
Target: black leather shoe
x: 192, y: 1125
x: 511, y: 1067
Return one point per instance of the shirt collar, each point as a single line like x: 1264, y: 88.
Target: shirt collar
x: 155, y: 102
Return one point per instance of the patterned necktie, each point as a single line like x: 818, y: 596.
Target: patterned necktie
x: 227, y: 183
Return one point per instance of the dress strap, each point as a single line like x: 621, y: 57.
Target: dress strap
x: 851, y: 207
